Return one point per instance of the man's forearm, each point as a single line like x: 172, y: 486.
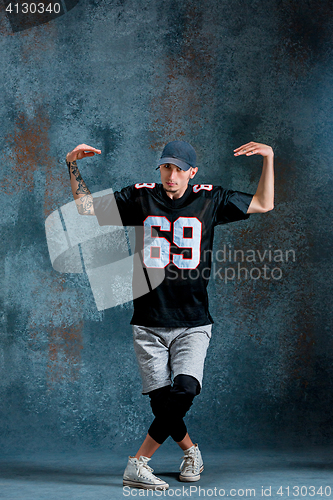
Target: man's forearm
x: 265, y: 189
x: 78, y: 185
x: 81, y: 194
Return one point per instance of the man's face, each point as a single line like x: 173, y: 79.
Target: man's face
x: 174, y: 179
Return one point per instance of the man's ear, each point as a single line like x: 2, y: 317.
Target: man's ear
x: 193, y: 172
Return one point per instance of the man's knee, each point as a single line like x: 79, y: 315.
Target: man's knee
x: 174, y: 401
x: 186, y: 384
x: 184, y: 390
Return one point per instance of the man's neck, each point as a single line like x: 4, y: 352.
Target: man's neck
x: 175, y: 195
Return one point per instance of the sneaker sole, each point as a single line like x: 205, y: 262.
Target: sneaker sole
x: 191, y: 478
x: 145, y: 486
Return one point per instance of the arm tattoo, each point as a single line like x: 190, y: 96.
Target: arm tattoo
x: 85, y: 205
x: 73, y: 169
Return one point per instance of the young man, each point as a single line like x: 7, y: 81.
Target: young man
x: 171, y: 323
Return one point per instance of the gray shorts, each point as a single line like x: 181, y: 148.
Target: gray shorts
x: 162, y: 352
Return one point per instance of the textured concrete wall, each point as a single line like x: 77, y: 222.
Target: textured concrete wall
x: 127, y: 76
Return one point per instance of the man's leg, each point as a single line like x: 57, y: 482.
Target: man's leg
x: 170, y: 405
x: 186, y: 442
x: 187, y: 355
x: 192, y: 464
x: 153, y: 361
x: 137, y: 473
x: 149, y: 446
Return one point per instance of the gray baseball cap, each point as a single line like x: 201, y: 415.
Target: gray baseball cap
x: 178, y: 153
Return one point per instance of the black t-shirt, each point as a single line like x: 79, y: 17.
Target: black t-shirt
x: 178, y: 239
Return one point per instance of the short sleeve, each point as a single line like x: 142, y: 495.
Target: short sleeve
x: 117, y: 209
x: 232, y: 206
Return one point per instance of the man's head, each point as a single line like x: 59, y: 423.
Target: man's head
x: 177, y: 167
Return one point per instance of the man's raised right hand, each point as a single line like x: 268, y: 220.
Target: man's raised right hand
x: 82, y: 151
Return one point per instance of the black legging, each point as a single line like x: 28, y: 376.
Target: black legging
x: 170, y: 405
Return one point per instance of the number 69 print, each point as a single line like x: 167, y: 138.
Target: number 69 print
x: 163, y: 246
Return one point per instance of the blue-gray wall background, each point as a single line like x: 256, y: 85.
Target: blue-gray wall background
x: 127, y: 76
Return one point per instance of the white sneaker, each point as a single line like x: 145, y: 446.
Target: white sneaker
x: 192, y: 464
x: 138, y: 474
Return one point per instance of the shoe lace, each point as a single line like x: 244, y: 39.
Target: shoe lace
x: 143, y: 468
x: 189, y: 462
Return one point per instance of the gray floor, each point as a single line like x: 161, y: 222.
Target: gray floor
x: 98, y: 476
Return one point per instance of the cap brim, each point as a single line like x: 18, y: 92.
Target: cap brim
x: 175, y: 161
